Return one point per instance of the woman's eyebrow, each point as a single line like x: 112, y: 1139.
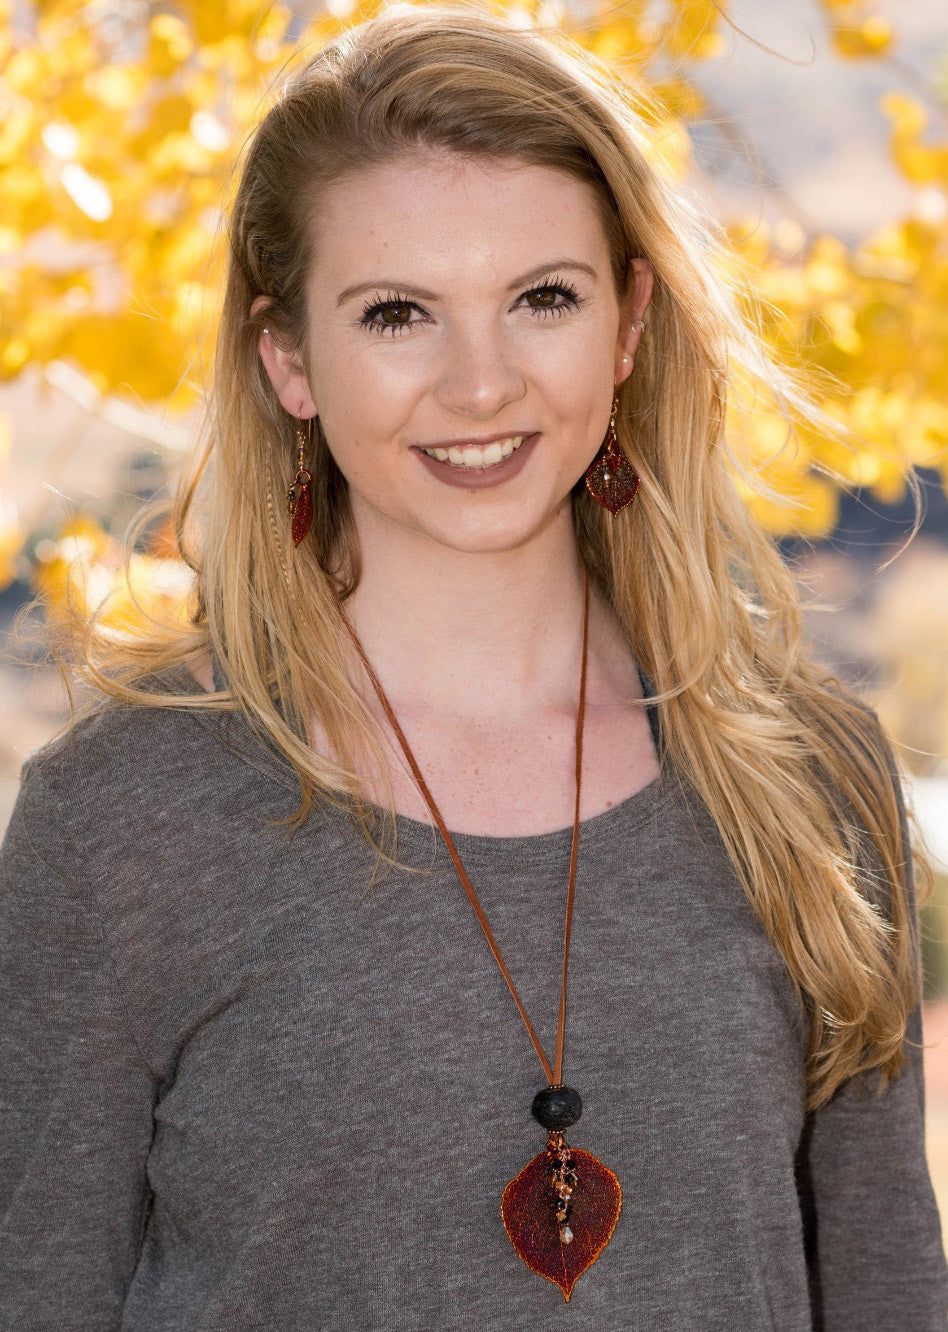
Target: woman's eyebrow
x: 540, y: 271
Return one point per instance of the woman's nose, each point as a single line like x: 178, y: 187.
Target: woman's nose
x: 480, y: 374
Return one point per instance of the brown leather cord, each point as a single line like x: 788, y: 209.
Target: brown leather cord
x: 555, y: 1073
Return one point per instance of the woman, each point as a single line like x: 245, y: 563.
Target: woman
x: 259, y: 1075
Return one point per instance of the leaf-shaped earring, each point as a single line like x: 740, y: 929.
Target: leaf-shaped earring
x: 299, y: 499
x: 610, y: 478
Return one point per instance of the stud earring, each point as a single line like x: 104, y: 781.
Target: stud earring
x: 639, y: 326
x: 299, y: 498
x: 610, y: 478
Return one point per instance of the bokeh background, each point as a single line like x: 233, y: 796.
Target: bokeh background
x: 813, y: 132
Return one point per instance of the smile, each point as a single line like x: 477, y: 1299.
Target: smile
x: 473, y: 456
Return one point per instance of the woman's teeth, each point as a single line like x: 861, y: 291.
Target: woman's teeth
x: 473, y: 456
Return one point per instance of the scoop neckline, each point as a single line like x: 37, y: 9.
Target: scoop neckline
x: 630, y: 813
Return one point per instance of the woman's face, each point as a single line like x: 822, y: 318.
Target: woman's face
x: 463, y: 309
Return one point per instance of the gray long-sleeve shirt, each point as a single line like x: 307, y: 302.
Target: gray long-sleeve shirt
x: 242, y: 1089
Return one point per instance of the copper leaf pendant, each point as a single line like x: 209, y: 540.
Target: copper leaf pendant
x: 613, y: 481
x: 561, y: 1250
x: 302, y: 513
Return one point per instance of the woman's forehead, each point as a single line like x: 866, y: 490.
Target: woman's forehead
x: 440, y: 210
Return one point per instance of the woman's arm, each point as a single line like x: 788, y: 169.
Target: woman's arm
x: 873, y: 1233
x: 75, y: 1094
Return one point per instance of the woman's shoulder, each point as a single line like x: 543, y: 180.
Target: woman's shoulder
x: 843, y: 725
x: 113, y: 748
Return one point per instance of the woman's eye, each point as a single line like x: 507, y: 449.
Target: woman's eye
x: 554, y: 298
x: 391, y: 316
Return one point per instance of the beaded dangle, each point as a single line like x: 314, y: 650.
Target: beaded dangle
x: 299, y: 499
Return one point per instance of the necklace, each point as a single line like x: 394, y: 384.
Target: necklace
x: 562, y: 1208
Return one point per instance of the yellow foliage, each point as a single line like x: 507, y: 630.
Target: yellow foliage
x: 83, y: 571
x: 12, y: 534
x: 619, y: 40
x: 124, y: 160
x: 171, y: 44
x: 907, y: 114
x: 668, y: 148
x: 117, y: 87
x: 692, y: 30
x: 871, y: 38
x: 107, y: 347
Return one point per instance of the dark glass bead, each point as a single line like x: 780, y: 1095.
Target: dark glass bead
x: 557, y: 1107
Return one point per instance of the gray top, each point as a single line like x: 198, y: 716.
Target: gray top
x: 243, y: 1090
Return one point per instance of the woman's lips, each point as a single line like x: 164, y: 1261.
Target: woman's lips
x: 477, y: 478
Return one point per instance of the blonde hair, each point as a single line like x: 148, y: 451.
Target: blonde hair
x: 792, y: 767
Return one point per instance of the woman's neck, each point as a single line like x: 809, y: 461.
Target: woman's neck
x: 474, y: 635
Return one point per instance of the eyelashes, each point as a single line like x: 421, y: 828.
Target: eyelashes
x: 372, y: 313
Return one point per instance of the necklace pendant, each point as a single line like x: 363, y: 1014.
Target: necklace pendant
x: 560, y: 1212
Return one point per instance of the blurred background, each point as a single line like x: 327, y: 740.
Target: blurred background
x: 814, y: 132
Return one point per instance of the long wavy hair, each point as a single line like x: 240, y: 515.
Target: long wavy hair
x: 793, y: 768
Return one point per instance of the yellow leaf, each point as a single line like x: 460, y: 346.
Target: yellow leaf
x: 691, y: 24
x: 170, y: 115
x: 118, y: 87
x: 271, y: 30
x: 126, y: 352
x: 668, y: 148
x: 211, y: 20
x: 840, y: 318
x: 203, y: 88
x: 921, y: 164
x: 808, y: 509
x: 622, y: 39
x: 909, y: 117
x: 17, y: 127
x: 889, y: 487
x: 170, y: 45
x: 826, y: 271
x: 871, y: 38
x: 14, y: 355
x: 680, y: 98
x: 24, y: 71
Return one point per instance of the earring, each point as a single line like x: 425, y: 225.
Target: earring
x: 299, y: 498
x: 610, y: 478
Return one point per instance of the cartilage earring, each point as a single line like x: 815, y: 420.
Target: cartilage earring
x: 610, y: 478
x: 299, y: 499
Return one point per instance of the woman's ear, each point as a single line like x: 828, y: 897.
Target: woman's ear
x: 631, y: 317
x: 284, y: 370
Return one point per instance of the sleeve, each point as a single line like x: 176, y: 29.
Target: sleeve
x: 76, y: 1098
x: 873, y: 1235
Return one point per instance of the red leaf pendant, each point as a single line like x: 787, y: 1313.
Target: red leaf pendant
x: 612, y: 480
x: 560, y: 1212
x: 302, y: 510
